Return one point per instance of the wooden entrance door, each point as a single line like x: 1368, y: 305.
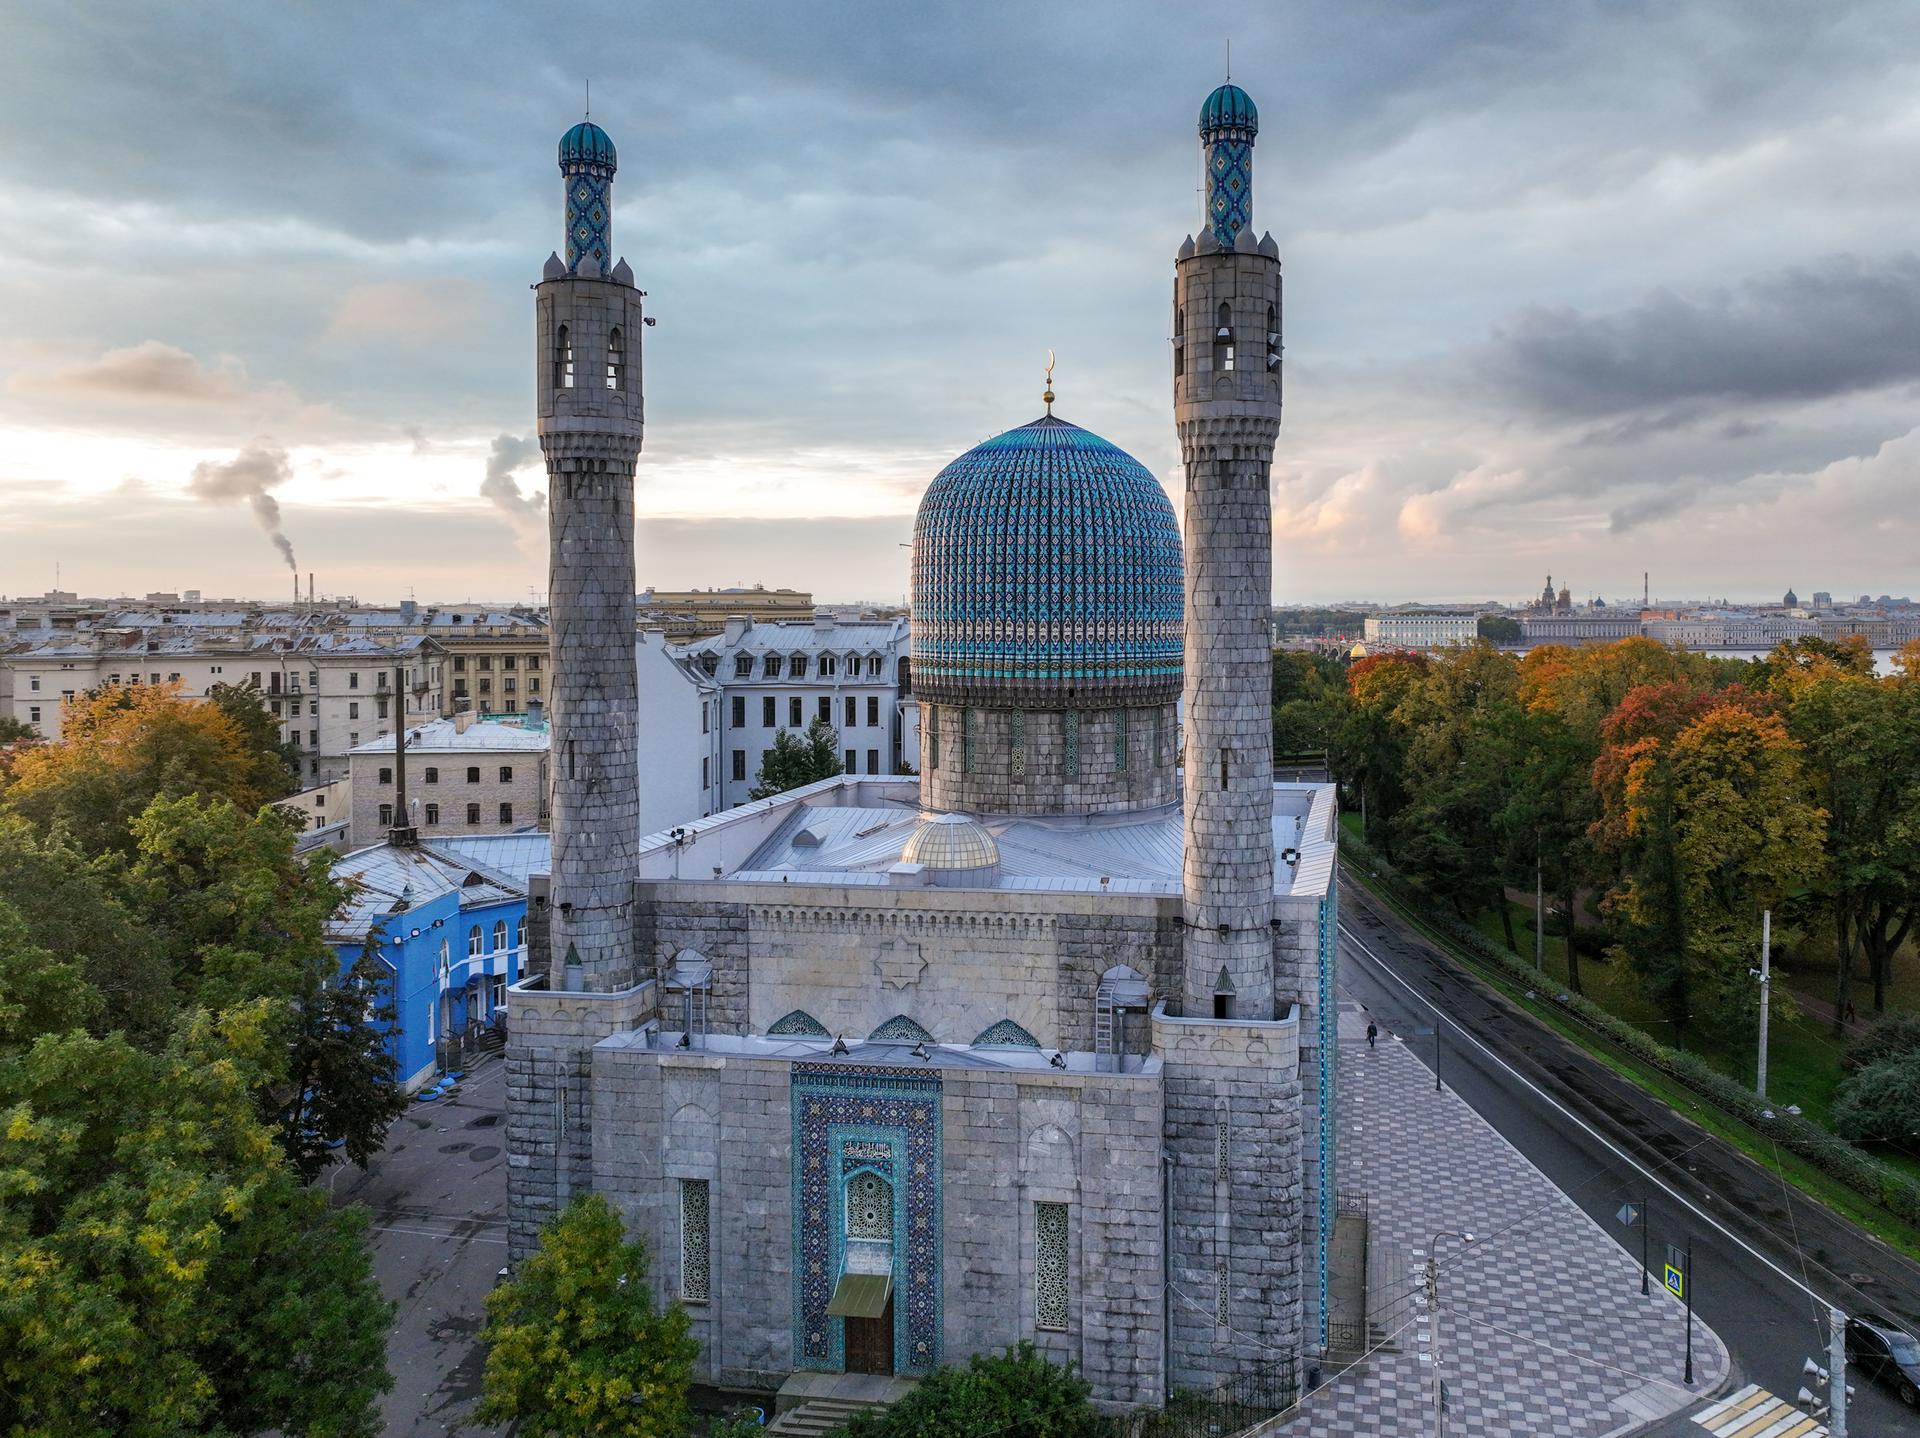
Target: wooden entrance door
x: 870, y: 1343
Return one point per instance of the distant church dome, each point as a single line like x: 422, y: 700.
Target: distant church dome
x: 951, y: 843
x: 1229, y: 107
x: 586, y: 143
x: 1046, y: 574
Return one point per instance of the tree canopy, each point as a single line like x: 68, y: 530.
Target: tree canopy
x: 575, y: 1344
x: 797, y: 760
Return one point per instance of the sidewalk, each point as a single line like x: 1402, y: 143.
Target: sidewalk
x: 1542, y: 1325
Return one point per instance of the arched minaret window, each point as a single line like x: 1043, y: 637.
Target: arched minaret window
x: 617, y: 361
x: 1223, y: 339
x: 1179, y: 341
x: 562, y: 359
x: 1273, y: 338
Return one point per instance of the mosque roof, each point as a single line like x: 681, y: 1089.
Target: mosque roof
x: 587, y: 143
x: 1229, y: 107
x: 1046, y: 572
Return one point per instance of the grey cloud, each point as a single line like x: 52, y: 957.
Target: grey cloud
x: 501, y: 489
x: 1813, y: 332
x: 249, y: 475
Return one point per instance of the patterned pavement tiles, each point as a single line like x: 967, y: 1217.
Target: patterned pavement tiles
x: 1543, y: 1328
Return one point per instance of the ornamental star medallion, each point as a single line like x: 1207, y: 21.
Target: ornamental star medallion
x: 899, y: 963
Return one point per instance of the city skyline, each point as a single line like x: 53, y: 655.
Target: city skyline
x: 1566, y: 294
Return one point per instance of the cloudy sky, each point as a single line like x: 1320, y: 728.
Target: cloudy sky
x: 1577, y: 287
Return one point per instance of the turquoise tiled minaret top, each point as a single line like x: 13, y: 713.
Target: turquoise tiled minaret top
x: 1046, y: 575
x: 1228, y: 123
x: 587, y: 160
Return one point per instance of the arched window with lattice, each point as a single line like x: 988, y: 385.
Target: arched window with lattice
x: 1005, y: 1035
x: 798, y: 1024
x: 900, y: 1030
x: 869, y: 1207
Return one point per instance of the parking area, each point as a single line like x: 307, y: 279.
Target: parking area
x: 437, y: 1202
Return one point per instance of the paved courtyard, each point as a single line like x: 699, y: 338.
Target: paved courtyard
x: 1542, y: 1325
x: 437, y: 1199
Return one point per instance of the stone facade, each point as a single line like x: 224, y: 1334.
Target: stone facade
x: 1040, y: 761
x: 587, y: 363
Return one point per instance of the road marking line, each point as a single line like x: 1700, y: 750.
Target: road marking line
x: 1753, y: 1412
x: 1460, y: 1030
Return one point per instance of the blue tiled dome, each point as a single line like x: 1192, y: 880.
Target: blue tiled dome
x: 1046, y: 572
x: 1229, y: 107
x: 587, y: 143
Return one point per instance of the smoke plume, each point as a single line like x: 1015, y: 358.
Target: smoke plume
x: 249, y: 475
x: 510, y: 453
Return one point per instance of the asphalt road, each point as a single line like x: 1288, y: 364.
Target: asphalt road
x: 436, y: 1198
x: 1598, y: 1138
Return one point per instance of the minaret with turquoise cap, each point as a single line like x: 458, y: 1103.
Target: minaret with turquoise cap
x: 588, y: 324
x: 1228, y: 124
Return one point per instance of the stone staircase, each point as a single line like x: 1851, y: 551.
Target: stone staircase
x: 817, y: 1417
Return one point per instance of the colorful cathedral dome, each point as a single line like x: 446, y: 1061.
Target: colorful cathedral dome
x: 586, y: 143
x: 1229, y: 108
x: 1046, y: 574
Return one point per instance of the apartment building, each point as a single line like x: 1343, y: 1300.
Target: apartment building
x: 1421, y: 629
x: 774, y: 677
x: 690, y: 614
x: 465, y: 775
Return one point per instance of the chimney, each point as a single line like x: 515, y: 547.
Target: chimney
x: 402, y: 835
x: 737, y: 627
x: 536, y: 714
x: 823, y: 622
x: 463, y: 721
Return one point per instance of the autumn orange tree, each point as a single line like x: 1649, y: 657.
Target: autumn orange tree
x: 122, y: 746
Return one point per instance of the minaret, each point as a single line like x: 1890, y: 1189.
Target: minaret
x: 587, y: 376
x: 1226, y: 403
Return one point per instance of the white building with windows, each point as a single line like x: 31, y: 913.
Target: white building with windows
x: 1421, y: 629
x: 850, y: 672
x: 464, y: 776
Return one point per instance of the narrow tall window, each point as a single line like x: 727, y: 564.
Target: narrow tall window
x: 1179, y: 341
x: 1017, y: 736
x: 1223, y: 768
x: 968, y: 758
x: 1120, y: 739
x: 1073, y: 743
x: 1223, y: 339
x: 616, y: 362
x: 562, y: 359
x: 1159, y: 737
x: 386, y: 816
x: 696, y: 1253
x: 933, y: 736
x: 1050, y: 1267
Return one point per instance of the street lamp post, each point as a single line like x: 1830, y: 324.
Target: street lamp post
x: 1433, y: 1324
x: 1766, y: 994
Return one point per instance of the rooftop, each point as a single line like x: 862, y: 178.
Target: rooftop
x: 386, y: 881
x: 444, y: 736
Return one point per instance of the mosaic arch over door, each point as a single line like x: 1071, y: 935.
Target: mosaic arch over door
x: 799, y: 1024
x: 855, y: 1122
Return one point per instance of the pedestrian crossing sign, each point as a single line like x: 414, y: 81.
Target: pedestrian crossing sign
x: 1675, y: 1284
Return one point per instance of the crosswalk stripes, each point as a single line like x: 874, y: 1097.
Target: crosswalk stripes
x: 1755, y: 1413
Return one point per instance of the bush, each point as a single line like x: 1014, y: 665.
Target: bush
x: 1881, y: 1102
x: 1893, y: 1037
x: 1016, y: 1394
x: 1824, y: 1149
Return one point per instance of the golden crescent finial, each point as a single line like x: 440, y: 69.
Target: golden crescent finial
x: 1048, y: 395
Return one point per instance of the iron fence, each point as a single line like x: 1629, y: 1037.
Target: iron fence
x: 1237, y: 1404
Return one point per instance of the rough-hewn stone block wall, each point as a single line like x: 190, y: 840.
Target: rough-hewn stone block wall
x: 1089, y: 944
x: 718, y: 931
x: 1044, y: 782
x: 1233, y: 1128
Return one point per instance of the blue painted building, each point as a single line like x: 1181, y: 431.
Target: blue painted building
x: 450, y: 937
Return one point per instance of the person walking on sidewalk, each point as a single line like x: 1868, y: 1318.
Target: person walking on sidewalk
x: 1373, y: 1032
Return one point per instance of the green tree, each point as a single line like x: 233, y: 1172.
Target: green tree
x: 1015, y: 1394
x: 164, y: 1273
x: 272, y: 765
x: 1881, y: 1103
x: 1499, y: 629
x: 242, y: 917
x: 796, y: 760
x: 575, y: 1343
x: 15, y: 731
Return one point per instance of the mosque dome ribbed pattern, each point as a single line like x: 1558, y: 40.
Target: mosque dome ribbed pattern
x: 1046, y: 574
x: 587, y: 143
x: 1229, y: 108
